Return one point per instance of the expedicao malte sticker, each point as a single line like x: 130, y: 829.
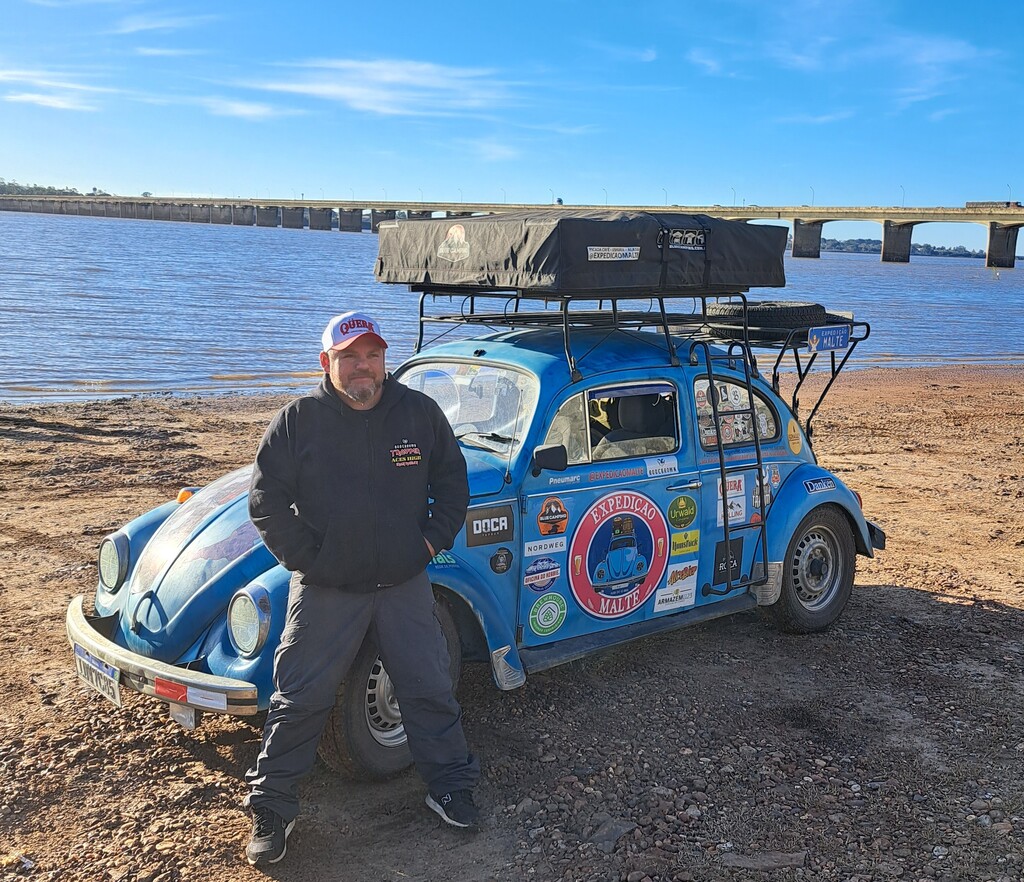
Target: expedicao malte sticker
x: 618, y: 554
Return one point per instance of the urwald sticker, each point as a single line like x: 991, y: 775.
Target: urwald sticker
x: 733, y: 566
x: 685, y: 543
x: 541, y: 574
x: 618, y: 554
x: 547, y: 614
x: 552, y: 517
x: 501, y: 561
x: 819, y: 485
x: 544, y: 546
x: 681, y: 512
x: 489, y: 526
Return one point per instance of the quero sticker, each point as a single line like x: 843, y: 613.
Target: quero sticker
x: 618, y: 554
x: 547, y: 614
x: 681, y: 512
x: 541, y: 574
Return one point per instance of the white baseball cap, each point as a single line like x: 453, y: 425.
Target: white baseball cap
x: 343, y: 329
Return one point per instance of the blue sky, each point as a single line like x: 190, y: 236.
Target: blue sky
x: 745, y: 101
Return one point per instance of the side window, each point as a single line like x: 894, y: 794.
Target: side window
x: 630, y: 421
x: 569, y: 428
x: 736, y: 428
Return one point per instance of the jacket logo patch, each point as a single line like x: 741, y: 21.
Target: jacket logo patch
x: 406, y: 454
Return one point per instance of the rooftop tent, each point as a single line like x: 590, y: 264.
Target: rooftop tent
x: 582, y: 252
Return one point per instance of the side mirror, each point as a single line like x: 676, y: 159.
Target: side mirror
x: 552, y: 457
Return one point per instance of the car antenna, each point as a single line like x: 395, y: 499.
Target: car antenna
x: 512, y: 446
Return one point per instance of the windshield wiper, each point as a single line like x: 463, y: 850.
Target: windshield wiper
x: 485, y: 436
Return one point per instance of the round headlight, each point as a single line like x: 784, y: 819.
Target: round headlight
x: 113, y: 561
x: 249, y: 620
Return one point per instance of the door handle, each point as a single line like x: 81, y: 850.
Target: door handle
x: 695, y: 484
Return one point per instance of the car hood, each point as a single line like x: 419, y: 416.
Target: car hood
x: 204, y: 552
x: 485, y: 479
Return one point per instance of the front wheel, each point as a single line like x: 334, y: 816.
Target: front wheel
x: 818, y: 573
x: 364, y: 736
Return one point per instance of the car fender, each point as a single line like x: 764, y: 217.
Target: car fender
x: 807, y: 487
x: 464, y: 582
x: 138, y: 532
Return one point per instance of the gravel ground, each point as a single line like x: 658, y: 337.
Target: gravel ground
x: 890, y: 746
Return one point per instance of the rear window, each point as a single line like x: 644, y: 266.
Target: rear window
x: 735, y: 425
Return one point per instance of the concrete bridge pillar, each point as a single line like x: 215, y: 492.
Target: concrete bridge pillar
x: 112, y: 209
x: 220, y: 214
x: 243, y: 215
x: 350, y: 220
x: 144, y: 210
x: 1002, y: 246
x: 320, y: 218
x: 162, y: 211
x: 200, y: 214
x: 377, y: 216
x: 267, y: 216
x: 293, y: 218
x: 807, y: 238
x: 128, y: 210
x: 180, y: 212
x: 896, y: 242
x: 416, y: 215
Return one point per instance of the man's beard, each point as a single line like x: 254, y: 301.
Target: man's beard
x: 363, y: 393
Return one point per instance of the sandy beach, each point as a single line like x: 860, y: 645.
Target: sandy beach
x: 891, y: 746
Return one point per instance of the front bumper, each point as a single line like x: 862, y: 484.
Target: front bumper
x: 169, y: 683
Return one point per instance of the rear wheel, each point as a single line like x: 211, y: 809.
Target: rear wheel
x: 364, y: 736
x: 818, y: 573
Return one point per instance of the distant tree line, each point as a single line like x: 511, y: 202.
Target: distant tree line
x: 874, y: 246
x: 13, y: 188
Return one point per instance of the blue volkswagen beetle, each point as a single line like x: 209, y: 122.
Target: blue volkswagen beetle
x: 632, y: 470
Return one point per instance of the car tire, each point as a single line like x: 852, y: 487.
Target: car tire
x: 364, y: 736
x: 817, y: 573
x: 785, y: 314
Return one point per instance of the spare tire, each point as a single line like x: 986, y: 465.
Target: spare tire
x: 768, y: 314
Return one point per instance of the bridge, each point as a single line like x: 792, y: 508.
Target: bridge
x: 1002, y: 219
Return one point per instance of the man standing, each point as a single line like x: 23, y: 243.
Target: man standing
x: 357, y: 485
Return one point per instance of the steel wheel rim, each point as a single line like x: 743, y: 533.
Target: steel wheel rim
x: 817, y: 568
x: 383, y: 717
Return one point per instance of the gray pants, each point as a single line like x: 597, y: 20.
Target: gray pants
x: 322, y: 634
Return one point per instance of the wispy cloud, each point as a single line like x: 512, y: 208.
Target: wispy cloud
x: 135, y: 24
x: 492, y: 149
x: 808, y: 119
x: 63, y: 4
x: 939, y: 115
x: 251, y: 110
x: 622, y: 53
x: 44, y: 79
x: 156, y: 52
x: 56, y: 102
x: 703, y: 59
x: 394, y: 87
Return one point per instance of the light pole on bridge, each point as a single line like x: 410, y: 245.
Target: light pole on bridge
x: 552, y: 192
x: 812, y: 195
x: 663, y: 190
x: 733, y: 196
x: 504, y: 196
x: 605, y: 196
x: 903, y: 197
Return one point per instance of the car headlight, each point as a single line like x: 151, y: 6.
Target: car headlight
x: 249, y: 620
x: 113, y: 561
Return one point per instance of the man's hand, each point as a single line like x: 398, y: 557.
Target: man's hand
x: 430, y: 547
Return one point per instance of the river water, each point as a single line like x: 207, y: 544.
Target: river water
x: 102, y: 307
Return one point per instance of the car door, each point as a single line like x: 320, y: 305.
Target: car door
x: 613, y: 539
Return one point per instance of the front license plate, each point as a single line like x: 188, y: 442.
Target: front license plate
x: 98, y: 675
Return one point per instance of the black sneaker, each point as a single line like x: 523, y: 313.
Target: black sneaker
x: 456, y: 808
x: 269, y: 840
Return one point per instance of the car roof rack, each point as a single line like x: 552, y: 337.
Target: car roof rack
x: 605, y: 311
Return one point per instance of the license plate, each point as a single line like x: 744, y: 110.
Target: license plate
x: 98, y: 675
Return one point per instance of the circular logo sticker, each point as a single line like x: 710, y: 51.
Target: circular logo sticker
x: 541, y: 574
x: 501, y: 560
x: 618, y: 554
x: 548, y: 614
x: 681, y: 512
x: 793, y: 437
x: 552, y: 517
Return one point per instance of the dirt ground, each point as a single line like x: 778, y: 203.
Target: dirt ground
x: 891, y: 746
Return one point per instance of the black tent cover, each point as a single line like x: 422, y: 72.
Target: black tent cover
x: 563, y: 253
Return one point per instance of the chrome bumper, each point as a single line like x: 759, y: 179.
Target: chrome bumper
x: 176, y: 685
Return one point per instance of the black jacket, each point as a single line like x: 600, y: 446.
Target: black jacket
x: 346, y: 497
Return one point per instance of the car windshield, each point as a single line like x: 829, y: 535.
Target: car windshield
x: 489, y: 406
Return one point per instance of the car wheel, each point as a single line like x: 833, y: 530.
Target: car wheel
x: 818, y: 573
x: 364, y: 736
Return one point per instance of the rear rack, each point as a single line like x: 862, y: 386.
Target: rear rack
x: 605, y: 312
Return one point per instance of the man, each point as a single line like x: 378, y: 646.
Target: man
x: 357, y: 485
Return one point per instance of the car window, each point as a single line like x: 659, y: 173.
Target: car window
x: 736, y: 427
x: 635, y: 420
x: 569, y: 428
x: 488, y: 406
